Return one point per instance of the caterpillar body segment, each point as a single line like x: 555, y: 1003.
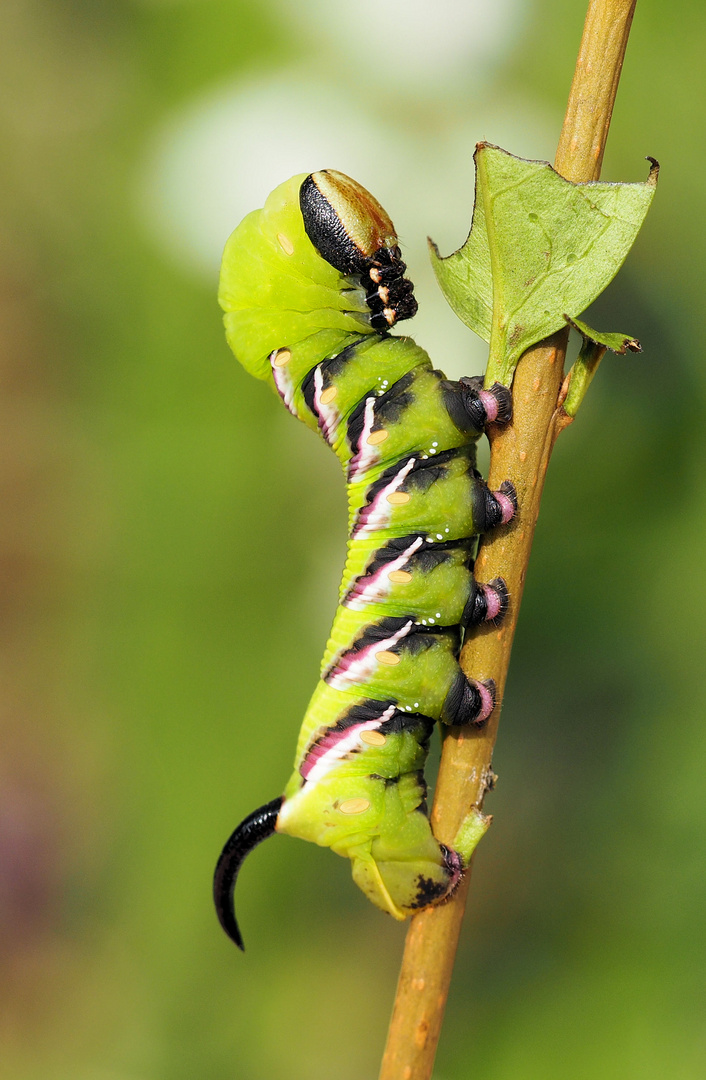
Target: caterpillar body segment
x: 310, y: 285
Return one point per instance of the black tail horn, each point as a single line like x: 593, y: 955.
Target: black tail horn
x: 256, y: 827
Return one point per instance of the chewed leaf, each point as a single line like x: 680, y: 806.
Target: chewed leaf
x: 592, y: 351
x: 617, y: 343
x: 466, y: 276
x: 540, y: 248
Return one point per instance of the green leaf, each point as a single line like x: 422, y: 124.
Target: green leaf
x: 539, y: 247
x: 617, y: 343
x: 592, y: 352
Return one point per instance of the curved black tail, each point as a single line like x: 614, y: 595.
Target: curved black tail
x: 256, y: 827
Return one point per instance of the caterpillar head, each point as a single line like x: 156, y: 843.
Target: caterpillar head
x: 350, y: 229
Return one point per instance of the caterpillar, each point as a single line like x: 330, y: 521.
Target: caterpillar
x: 311, y: 286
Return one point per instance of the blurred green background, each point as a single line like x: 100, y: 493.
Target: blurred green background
x: 170, y: 544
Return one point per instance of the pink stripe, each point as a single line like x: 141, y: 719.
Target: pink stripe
x: 354, y: 668
x: 335, y: 745
x: 373, y: 588
x: 378, y: 513
x: 328, y: 415
x: 365, y: 456
x: 283, y: 384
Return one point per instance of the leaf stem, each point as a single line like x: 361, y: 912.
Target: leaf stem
x: 581, y: 375
x: 521, y: 453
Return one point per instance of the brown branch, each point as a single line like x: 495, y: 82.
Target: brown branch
x: 521, y: 453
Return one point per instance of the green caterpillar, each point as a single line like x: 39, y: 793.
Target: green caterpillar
x: 311, y: 286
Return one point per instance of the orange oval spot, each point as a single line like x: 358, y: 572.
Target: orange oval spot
x: 388, y: 658
x: 283, y: 357
x: 373, y: 738
x: 377, y: 437
x: 328, y: 395
x: 285, y: 243
x: 354, y: 806
x: 401, y: 576
x: 398, y: 498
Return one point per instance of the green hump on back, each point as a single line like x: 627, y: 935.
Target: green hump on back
x: 275, y: 288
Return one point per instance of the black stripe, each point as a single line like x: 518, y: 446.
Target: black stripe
x: 331, y: 368
x: 417, y: 640
x: 424, y: 472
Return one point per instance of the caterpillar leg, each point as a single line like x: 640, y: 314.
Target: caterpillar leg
x: 493, y: 508
x: 468, y: 701
x: 486, y: 603
x: 473, y: 827
x: 472, y: 408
